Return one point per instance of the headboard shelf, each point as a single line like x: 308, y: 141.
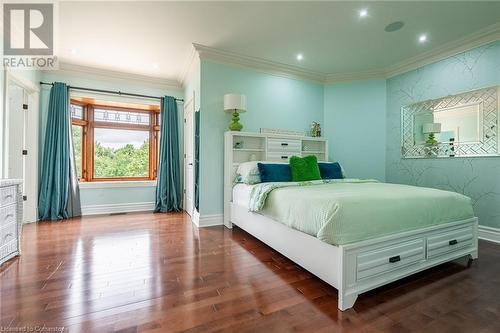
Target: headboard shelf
x: 249, y: 149
x: 313, y: 151
x: 242, y: 147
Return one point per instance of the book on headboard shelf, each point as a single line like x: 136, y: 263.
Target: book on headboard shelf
x: 281, y: 131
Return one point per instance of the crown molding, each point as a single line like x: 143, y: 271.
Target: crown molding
x: 476, y: 39
x: 188, y: 66
x: 266, y: 66
x: 355, y: 76
x: 471, y: 41
x: 66, y: 67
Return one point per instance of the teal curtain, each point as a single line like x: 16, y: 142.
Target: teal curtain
x: 197, y: 160
x: 58, y: 197
x: 168, y: 184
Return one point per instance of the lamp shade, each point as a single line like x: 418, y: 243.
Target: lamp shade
x: 431, y: 128
x: 235, y: 102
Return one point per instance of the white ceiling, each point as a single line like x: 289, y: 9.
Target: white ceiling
x: 133, y: 36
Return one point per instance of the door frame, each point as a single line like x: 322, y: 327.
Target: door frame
x: 188, y: 103
x: 32, y: 139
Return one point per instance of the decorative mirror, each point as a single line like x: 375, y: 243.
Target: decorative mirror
x: 463, y: 125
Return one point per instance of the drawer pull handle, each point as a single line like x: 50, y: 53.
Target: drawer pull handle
x: 9, y: 215
x: 8, y: 196
x: 395, y: 259
x: 284, y: 157
x: 284, y: 144
x: 453, y: 242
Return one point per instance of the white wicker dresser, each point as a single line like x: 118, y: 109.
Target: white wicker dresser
x: 11, y: 217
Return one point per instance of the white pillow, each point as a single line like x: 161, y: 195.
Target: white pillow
x: 248, y: 172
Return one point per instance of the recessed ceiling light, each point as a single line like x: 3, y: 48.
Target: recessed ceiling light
x: 422, y: 38
x: 363, y: 13
x: 74, y: 51
x: 156, y: 66
x: 300, y: 57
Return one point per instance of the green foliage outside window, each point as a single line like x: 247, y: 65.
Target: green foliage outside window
x: 77, y: 145
x: 126, y: 161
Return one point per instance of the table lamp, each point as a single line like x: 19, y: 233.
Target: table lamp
x: 431, y: 129
x: 236, y: 104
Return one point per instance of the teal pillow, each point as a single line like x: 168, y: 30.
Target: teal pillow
x: 304, y: 168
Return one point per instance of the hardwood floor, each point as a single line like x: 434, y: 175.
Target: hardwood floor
x: 156, y: 273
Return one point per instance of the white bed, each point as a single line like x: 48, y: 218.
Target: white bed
x: 241, y: 194
x: 352, y: 268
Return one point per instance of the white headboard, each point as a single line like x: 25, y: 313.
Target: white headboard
x: 244, y: 146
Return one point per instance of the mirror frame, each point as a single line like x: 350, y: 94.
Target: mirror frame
x: 488, y: 146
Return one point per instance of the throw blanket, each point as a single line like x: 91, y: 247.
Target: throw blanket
x: 350, y: 210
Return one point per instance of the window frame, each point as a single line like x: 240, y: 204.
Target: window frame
x: 89, y: 125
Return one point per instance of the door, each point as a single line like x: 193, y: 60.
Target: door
x: 189, y: 156
x: 17, y: 127
x: 22, y: 152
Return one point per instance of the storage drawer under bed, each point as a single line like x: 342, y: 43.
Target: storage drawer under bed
x: 449, y: 241
x: 382, y: 260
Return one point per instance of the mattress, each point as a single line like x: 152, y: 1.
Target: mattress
x: 241, y: 194
x: 350, y: 210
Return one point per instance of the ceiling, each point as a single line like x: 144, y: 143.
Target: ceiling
x: 155, y: 38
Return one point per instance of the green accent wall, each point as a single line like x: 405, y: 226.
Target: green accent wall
x: 272, y: 102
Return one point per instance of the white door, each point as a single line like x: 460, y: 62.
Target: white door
x: 16, y: 124
x: 188, y: 156
x: 22, y: 152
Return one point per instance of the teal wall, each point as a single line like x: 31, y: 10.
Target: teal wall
x: 104, y: 196
x: 478, y: 178
x: 354, y: 123
x: 272, y: 102
x: 123, y: 195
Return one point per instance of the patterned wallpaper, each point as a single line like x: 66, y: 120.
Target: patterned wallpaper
x: 479, y: 177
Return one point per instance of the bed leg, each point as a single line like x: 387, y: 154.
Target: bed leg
x: 346, y: 301
x: 470, y: 259
x: 473, y: 255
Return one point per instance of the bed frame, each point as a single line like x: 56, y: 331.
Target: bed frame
x: 357, y: 267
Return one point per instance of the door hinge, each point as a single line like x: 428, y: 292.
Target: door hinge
x: 25, y: 152
x: 25, y: 106
x: 25, y: 197
x: 185, y: 121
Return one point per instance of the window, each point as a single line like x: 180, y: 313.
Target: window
x: 77, y: 144
x: 115, y: 142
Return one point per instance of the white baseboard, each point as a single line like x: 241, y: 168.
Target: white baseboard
x: 489, y: 233
x: 195, y: 218
x: 118, y: 208
x: 209, y: 220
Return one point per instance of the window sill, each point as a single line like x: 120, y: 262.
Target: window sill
x: 118, y: 184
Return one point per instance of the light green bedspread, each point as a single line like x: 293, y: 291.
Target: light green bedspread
x: 350, y: 210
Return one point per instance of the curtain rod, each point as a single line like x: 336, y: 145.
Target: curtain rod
x: 121, y: 93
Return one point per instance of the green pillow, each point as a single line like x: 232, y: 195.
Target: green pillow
x: 304, y: 168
